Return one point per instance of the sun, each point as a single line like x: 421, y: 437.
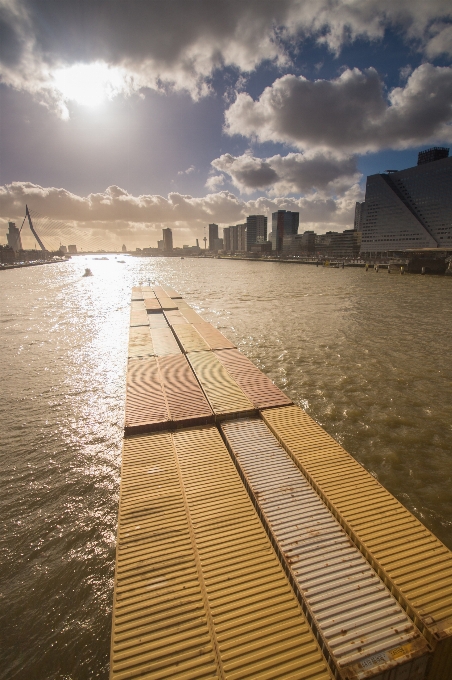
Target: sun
x: 89, y: 84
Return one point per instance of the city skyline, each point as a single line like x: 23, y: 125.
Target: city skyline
x: 122, y: 123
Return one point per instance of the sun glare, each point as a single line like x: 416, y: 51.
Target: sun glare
x: 89, y: 84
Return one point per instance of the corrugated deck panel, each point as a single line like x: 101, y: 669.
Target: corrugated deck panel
x: 257, y: 387
x: 191, y: 315
x: 164, y: 341
x: 140, y: 342
x: 414, y: 564
x: 157, y: 321
x: 189, y: 338
x: 146, y: 407
x: 224, y: 395
x: 174, y: 317
x: 213, y: 337
x: 184, y: 396
x: 159, y: 292
x: 173, y: 294
x: 147, y: 292
x: 260, y: 629
x: 137, y: 294
x: 138, y: 317
x: 366, y: 631
x: 167, y: 303
x: 194, y: 599
x: 160, y: 627
x: 152, y: 306
x: 137, y: 304
x: 181, y: 304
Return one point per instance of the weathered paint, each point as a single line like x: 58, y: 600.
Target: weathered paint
x: 412, y: 562
x: 366, y: 632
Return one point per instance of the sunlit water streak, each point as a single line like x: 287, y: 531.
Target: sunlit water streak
x: 367, y: 355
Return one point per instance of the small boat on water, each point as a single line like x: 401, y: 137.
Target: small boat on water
x: 88, y: 272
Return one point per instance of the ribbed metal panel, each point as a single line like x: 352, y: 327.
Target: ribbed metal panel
x: 189, y: 338
x: 191, y: 315
x: 199, y: 592
x: 260, y: 629
x: 413, y: 563
x: 185, y: 399
x: 140, y: 342
x: 174, y: 295
x: 160, y: 615
x: 258, y: 388
x: 137, y: 304
x: 146, y: 407
x: 224, y: 395
x: 157, y: 321
x: 174, y: 317
x: 213, y: 337
x: 181, y: 304
x: 138, y: 317
x: 159, y: 292
x: 152, y: 306
x: 164, y: 341
x: 147, y: 292
x: 366, y: 632
x: 167, y: 303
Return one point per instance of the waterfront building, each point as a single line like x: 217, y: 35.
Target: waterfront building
x: 256, y: 230
x: 124, y: 248
x: 237, y: 236
x: 360, y: 211
x: 284, y: 222
x: 409, y: 208
x: 7, y: 255
x: 297, y: 244
x: 213, y: 234
x: 160, y: 244
x: 227, y: 239
x: 63, y: 249
x: 167, y: 240
x: 217, y: 244
x: 72, y: 249
x: 13, y: 237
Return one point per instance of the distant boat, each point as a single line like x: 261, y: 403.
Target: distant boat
x: 100, y: 258
x: 88, y: 272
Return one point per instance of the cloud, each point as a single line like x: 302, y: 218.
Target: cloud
x: 213, y: 183
x: 350, y: 114
x: 188, y: 171
x: 179, y: 44
x: 115, y: 216
x: 294, y: 173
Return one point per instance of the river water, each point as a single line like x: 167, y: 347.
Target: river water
x: 367, y: 355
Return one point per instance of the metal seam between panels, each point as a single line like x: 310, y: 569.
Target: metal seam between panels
x: 287, y: 425
x: 359, y: 606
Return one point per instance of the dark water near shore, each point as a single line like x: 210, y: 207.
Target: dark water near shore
x: 367, y: 355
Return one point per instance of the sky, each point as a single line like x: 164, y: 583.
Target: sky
x: 121, y: 117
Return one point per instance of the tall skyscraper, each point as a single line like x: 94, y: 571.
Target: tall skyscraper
x: 13, y: 237
x: 213, y: 234
x: 167, y: 240
x: 227, y: 238
x: 256, y: 230
x: 410, y: 208
x: 284, y: 222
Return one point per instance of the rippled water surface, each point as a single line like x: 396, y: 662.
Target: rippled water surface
x: 367, y: 355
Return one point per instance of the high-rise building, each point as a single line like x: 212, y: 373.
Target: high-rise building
x: 124, y: 249
x: 436, y: 153
x: 13, y: 237
x: 227, y: 238
x: 284, y: 222
x: 213, y: 234
x: 167, y: 240
x: 72, y: 249
x: 256, y: 230
x: 409, y: 208
x: 237, y: 235
x: 360, y: 211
